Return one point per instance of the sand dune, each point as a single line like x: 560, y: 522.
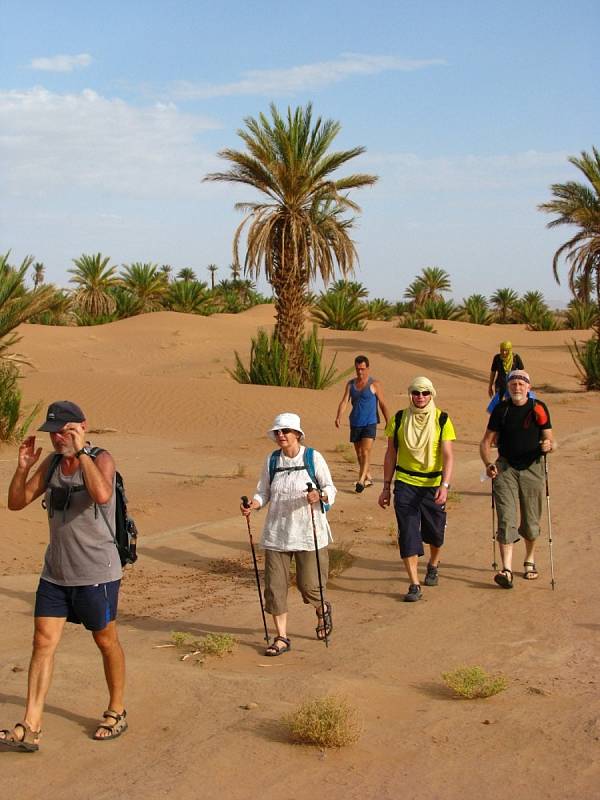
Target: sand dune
x: 190, y: 441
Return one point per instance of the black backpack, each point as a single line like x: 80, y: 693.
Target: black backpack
x: 125, y: 531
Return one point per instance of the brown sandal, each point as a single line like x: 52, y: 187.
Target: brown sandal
x: 115, y: 730
x: 27, y: 744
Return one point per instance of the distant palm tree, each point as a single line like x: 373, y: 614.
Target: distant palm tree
x: 166, y: 269
x: 429, y: 285
x: 212, y: 268
x: 475, y: 309
x: 147, y: 283
x: 186, y: 274
x: 504, y: 302
x: 297, y: 229
x: 94, y: 278
x: 190, y: 297
x: 235, y: 271
x: 38, y: 274
x: 579, y: 204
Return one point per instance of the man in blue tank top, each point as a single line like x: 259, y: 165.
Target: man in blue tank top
x: 82, y: 570
x: 366, y: 396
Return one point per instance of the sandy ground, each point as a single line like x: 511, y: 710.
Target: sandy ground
x: 190, y: 441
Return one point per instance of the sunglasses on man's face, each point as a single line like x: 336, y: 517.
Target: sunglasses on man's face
x: 426, y: 393
x: 283, y: 431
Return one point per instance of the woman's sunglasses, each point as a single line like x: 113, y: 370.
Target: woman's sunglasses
x: 426, y: 393
x: 283, y: 431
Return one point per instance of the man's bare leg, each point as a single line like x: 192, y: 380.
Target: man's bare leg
x: 113, y: 659
x: 46, y: 636
x: 363, y: 454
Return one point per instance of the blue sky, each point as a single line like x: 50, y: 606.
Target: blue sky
x: 111, y: 114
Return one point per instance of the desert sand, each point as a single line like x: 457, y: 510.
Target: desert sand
x: 190, y: 441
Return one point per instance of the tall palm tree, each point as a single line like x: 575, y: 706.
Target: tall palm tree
x: 38, y: 274
x: 166, y: 269
x: 236, y: 271
x: 579, y: 204
x: 429, y: 285
x: 147, y: 283
x: 504, y: 302
x: 212, y: 268
x: 297, y: 229
x: 94, y: 279
x: 186, y: 274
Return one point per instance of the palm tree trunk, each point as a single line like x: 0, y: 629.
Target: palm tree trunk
x: 290, y: 307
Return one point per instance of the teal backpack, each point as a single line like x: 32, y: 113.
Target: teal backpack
x: 308, y: 466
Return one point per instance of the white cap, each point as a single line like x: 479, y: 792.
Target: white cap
x: 285, y: 420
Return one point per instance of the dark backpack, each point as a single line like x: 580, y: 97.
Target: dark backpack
x: 309, y: 466
x: 125, y: 531
x: 443, y: 418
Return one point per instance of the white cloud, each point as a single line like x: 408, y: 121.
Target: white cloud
x: 61, y: 63
x: 303, y: 77
x: 53, y: 142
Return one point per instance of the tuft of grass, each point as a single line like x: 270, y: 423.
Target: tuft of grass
x: 240, y: 471
x: 327, y: 721
x: 340, y: 559
x: 183, y: 639
x: 217, y: 644
x: 474, y: 682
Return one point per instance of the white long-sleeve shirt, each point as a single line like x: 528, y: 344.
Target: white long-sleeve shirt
x: 288, y: 526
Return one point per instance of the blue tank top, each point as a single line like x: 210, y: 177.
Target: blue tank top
x: 364, y: 406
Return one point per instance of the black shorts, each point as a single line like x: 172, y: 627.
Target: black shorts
x: 419, y: 518
x: 92, y: 606
x: 363, y: 432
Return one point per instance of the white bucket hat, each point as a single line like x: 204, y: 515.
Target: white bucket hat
x: 285, y: 420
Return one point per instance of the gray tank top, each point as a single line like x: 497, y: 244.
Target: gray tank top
x: 81, y: 551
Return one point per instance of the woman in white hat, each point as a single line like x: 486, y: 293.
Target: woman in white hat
x: 288, y: 529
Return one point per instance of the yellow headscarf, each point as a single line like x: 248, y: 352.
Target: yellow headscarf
x: 507, y: 361
x: 419, y: 424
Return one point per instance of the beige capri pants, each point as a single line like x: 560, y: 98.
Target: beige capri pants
x: 519, y: 490
x: 277, y: 577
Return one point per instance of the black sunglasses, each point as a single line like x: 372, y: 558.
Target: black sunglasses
x: 416, y: 393
x: 284, y: 431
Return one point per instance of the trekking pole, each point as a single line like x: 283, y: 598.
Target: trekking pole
x: 309, y: 488
x: 246, y: 504
x: 549, y: 522
x: 494, y: 562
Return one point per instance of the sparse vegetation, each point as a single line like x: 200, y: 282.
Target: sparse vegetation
x: 474, y: 682
x: 213, y: 644
x: 340, y: 559
x: 327, y: 721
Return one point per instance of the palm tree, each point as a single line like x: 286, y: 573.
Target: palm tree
x: 579, y: 205
x: 166, y: 269
x: 17, y: 305
x: 94, y: 278
x: 38, y: 274
x: 147, y: 283
x: 297, y: 229
x: 190, y: 297
x: 186, y: 274
x: 235, y: 271
x: 212, y: 268
x: 429, y: 285
x: 504, y: 302
x: 475, y: 309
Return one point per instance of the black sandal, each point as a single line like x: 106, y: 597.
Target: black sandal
x: 503, y: 579
x: 530, y: 574
x: 273, y: 650
x: 325, y: 625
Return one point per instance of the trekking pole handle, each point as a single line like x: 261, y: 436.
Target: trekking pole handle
x: 245, y: 501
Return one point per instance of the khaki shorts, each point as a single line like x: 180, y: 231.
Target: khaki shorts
x: 518, y: 492
x: 277, y: 577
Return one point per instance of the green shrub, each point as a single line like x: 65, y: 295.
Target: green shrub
x: 340, y: 311
x: 269, y: 364
x: 416, y: 323
x: 581, y: 316
x: 474, y: 682
x: 379, y: 309
x: 438, y: 309
x: 475, y: 309
x: 217, y: 644
x: 326, y: 722
x: 12, y: 428
x: 586, y: 357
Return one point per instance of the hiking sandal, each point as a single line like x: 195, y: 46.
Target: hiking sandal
x: 273, y: 650
x: 115, y: 730
x: 531, y: 573
x: 325, y: 625
x: 27, y: 744
x: 503, y: 579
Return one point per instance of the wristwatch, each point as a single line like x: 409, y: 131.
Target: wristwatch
x: 85, y: 451
x: 445, y: 485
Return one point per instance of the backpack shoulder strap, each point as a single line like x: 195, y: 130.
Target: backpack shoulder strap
x: 52, y: 466
x: 397, y: 421
x: 442, y: 420
x: 273, y: 459
x: 309, y: 465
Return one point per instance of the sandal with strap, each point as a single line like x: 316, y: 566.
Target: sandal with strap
x: 531, y: 573
x: 116, y: 729
x: 273, y: 650
x: 325, y: 625
x: 27, y: 744
x: 504, y: 578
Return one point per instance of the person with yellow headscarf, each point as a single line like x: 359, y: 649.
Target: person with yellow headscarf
x: 503, y: 363
x: 419, y: 460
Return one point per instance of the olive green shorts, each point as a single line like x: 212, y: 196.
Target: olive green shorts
x: 519, y: 496
x: 277, y: 577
